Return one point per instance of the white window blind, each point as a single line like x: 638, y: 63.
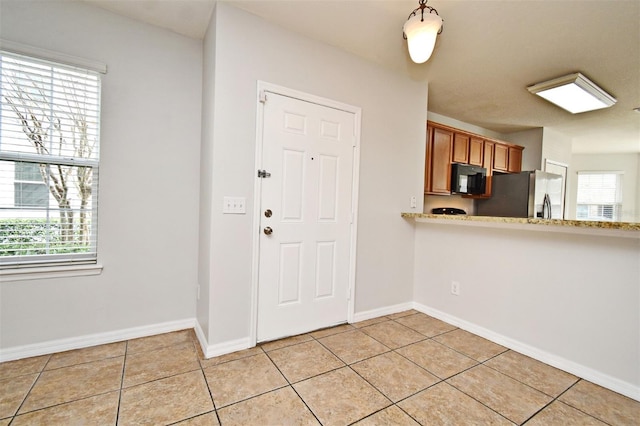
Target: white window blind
x: 49, y: 162
x: 599, y: 196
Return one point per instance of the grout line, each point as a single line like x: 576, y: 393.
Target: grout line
x: 124, y: 365
x: 569, y: 405
x: 30, y: 389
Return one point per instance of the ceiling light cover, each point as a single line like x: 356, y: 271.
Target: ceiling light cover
x: 574, y: 93
x: 421, y: 30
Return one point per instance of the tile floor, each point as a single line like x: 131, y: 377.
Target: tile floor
x: 401, y: 369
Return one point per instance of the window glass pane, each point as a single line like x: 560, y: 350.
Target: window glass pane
x: 49, y: 152
x: 31, y: 195
x: 28, y: 172
x: 48, y: 109
x: 599, y: 196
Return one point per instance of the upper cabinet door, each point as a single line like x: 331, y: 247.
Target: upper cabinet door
x: 476, y: 151
x: 501, y: 157
x: 461, y: 148
x: 515, y: 159
x: 439, y: 161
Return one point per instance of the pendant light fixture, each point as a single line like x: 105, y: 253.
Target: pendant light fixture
x: 420, y: 31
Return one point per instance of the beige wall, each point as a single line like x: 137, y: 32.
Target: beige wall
x: 248, y: 49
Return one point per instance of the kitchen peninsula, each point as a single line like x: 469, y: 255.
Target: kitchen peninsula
x: 564, y: 292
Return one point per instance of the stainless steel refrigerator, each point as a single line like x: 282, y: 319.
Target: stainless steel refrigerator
x: 527, y: 194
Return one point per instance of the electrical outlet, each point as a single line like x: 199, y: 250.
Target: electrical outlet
x: 414, y: 203
x: 455, y: 288
x: 198, y: 292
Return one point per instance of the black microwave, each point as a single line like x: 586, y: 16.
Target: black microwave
x: 466, y: 179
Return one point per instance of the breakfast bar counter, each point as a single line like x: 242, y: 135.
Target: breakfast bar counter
x: 617, y: 229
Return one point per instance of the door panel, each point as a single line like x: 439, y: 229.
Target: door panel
x: 328, y: 188
x: 290, y: 273
x: 304, y: 264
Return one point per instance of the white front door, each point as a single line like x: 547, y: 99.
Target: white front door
x: 305, y: 217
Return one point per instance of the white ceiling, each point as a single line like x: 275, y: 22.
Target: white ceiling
x: 487, y: 55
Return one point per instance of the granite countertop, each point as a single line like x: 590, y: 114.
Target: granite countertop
x: 554, y: 223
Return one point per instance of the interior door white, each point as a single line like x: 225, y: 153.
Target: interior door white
x: 306, y: 216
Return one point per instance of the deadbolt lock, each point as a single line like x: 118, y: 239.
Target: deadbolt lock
x: 268, y: 213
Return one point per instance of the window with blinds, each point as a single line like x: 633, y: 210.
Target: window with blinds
x: 599, y: 196
x: 49, y: 162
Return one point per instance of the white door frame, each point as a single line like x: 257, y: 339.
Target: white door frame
x: 264, y: 87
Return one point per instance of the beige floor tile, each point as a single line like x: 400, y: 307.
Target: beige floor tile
x: 78, y: 356
x: 437, y: 358
x: 142, y: 367
x: 165, y: 401
x: 353, y: 346
x: 445, y: 405
x: 534, y: 373
x: 424, y: 324
x: 280, y: 407
x: 392, y: 334
x: 471, y: 345
x: 289, y: 341
x: 332, y: 330
x: 558, y: 413
x: 389, y: 416
x: 12, y: 393
x: 76, y: 382
x: 231, y: 357
x: 208, y: 419
x: 304, y: 360
x: 368, y: 322
x: 606, y: 405
x: 243, y: 378
x: 394, y: 376
x: 95, y: 410
x: 340, y: 397
x: 501, y: 393
x: 24, y: 366
x: 5, y: 422
x: 402, y: 314
x: 159, y: 341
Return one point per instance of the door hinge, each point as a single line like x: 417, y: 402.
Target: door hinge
x: 263, y: 174
x: 263, y: 96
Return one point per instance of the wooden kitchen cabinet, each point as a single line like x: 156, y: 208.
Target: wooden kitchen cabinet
x: 438, y: 161
x: 476, y: 151
x: 501, y: 157
x: 461, y: 148
x: 447, y: 145
x: 515, y: 159
x: 487, y: 163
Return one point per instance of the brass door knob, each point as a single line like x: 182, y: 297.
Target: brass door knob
x: 268, y: 230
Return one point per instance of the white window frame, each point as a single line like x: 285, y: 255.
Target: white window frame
x: 616, y: 205
x: 65, y: 265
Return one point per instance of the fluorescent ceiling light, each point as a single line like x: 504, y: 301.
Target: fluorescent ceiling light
x: 574, y: 92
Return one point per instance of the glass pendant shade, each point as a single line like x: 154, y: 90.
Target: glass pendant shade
x: 421, y: 35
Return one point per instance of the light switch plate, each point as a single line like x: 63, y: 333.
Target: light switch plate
x: 234, y: 205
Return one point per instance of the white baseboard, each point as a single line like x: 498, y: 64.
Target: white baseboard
x: 224, y: 348
x: 218, y: 349
x: 387, y: 310
x: 574, y: 368
x: 61, y: 345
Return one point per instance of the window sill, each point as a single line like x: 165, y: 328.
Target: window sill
x: 22, y: 274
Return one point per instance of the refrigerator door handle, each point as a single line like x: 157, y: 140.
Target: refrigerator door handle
x: 546, y: 207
